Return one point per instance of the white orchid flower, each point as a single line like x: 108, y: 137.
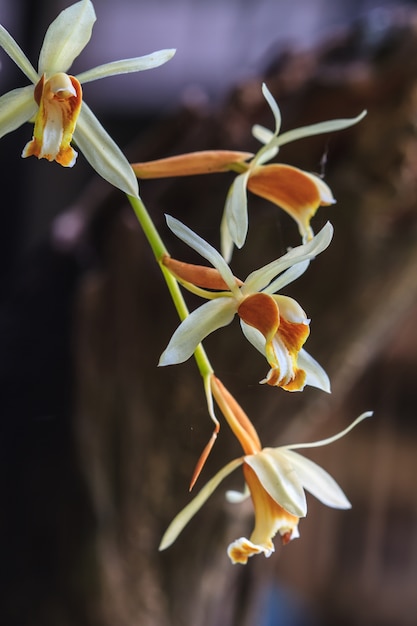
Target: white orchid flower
x: 297, y: 192
x: 54, y: 99
x: 275, y: 324
x: 275, y: 478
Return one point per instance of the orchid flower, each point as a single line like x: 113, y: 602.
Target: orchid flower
x: 297, y: 192
x: 275, y: 324
x: 275, y: 478
x: 54, y: 99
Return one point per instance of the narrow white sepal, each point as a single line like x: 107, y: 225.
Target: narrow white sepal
x: 226, y: 242
x: 262, y: 134
x: 12, y: 48
x: 127, y: 66
x: 103, y: 154
x: 287, y: 277
x: 259, y: 279
x: 182, y: 519
x: 273, y: 106
x: 16, y: 108
x: 236, y: 209
x: 203, y: 248
x: 330, y: 126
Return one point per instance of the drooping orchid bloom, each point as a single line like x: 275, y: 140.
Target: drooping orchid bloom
x: 55, y: 100
x: 297, y: 192
x: 275, y: 478
x: 275, y: 324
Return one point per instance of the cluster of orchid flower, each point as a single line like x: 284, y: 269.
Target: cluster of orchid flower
x: 275, y: 324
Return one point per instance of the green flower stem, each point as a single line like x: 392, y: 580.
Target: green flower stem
x: 239, y: 167
x: 159, y: 250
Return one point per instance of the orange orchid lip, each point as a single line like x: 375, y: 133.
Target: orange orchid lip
x: 262, y: 312
x: 296, y: 192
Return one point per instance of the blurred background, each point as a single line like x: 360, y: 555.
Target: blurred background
x: 95, y: 458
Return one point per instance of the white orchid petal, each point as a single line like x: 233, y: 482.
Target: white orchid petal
x: 264, y: 155
x: 126, y: 66
x: 182, y: 519
x: 226, y: 242
x: 279, y: 479
x: 260, y: 278
x: 262, y: 134
x: 236, y: 497
x: 316, y: 480
x: 206, y: 319
x: 66, y: 37
x: 325, y: 192
x: 290, y: 310
x: 316, y: 376
x: 236, y: 209
x: 16, y: 108
x: 287, y: 277
x: 274, y: 107
x: 254, y: 336
x: 316, y: 129
x: 202, y: 247
x: 103, y: 154
x: 12, y: 48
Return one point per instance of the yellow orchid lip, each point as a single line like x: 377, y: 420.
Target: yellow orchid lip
x: 59, y: 99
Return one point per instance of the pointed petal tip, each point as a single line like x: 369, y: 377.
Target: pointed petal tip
x: 166, y: 359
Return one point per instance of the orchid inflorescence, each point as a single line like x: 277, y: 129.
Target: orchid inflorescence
x: 275, y: 324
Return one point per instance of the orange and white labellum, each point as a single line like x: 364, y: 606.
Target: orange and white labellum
x: 59, y: 99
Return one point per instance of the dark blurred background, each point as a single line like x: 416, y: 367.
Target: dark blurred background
x: 95, y: 459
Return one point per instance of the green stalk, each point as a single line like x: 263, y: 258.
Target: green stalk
x: 159, y: 250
